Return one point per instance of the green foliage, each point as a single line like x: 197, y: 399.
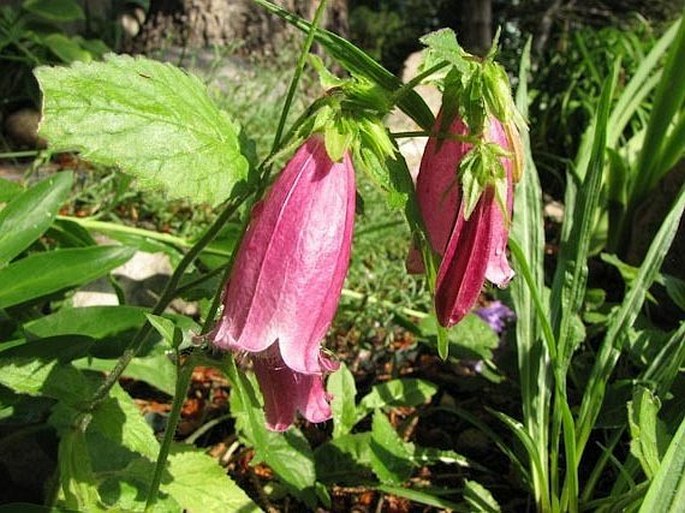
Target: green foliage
x: 154, y: 133
x: 32, y: 212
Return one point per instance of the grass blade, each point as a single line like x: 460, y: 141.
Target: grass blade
x: 622, y: 320
x: 667, y: 490
x: 570, y: 279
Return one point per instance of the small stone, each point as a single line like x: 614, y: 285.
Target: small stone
x: 21, y: 127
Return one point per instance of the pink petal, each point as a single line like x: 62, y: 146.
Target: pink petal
x: 462, y: 271
x: 290, y: 268
x: 437, y: 189
x: 285, y: 392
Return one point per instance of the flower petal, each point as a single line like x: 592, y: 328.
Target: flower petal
x: 290, y: 267
x: 285, y: 392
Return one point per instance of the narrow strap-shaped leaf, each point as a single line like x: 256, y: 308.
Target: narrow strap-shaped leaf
x: 622, y: 321
x: 44, y: 273
x: 667, y: 490
x: 570, y: 279
x: 640, y: 84
x: 669, y: 98
x: 28, y: 215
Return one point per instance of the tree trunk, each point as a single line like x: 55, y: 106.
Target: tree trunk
x: 475, y: 32
x: 239, y: 23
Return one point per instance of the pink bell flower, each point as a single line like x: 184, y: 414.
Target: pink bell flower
x: 472, y: 249
x: 286, y: 282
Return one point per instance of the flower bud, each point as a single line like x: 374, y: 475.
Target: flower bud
x: 473, y: 249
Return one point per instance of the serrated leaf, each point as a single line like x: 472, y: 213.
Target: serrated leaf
x: 200, y: 484
x: 396, y: 392
x: 119, y: 419
x: 44, y: 273
x: 55, y: 10
x: 343, y: 389
x: 391, y: 457
x: 31, y: 213
x: 26, y: 371
x: 151, y: 119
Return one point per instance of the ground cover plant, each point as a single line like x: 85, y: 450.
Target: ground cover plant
x: 516, y: 365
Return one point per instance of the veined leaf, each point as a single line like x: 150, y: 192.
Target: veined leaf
x: 341, y: 386
x: 151, y: 119
x: 200, y: 484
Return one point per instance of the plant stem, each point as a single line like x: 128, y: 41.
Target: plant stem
x: 185, y: 372
x: 298, y: 73
x: 106, y: 227
x: 167, y: 296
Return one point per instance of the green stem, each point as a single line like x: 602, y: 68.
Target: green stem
x: 185, y: 373
x: 112, y: 228
x: 19, y: 154
x: 298, y: 73
x: 167, y: 296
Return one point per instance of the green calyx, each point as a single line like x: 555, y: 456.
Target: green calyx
x: 474, y: 88
x: 481, y: 168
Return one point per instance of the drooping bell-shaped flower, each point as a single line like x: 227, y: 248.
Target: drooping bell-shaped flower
x: 286, y: 281
x: 472, y: 244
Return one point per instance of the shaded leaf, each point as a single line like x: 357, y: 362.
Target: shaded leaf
x: 44, y: 273
x: 29, y: 214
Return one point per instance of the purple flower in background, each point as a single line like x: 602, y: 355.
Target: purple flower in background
x: 497, y: 315
x: 286, y: 282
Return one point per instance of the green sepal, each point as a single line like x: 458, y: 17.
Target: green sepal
x: 327, y: 79
x: 441, y: 46
x: 497, y: 91
x: 481, y: 167
x: 339, y: 135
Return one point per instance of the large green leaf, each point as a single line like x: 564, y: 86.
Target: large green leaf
x: 151, y: 119
x: 667, y: 490
x: 44, y: 273
x: 42, y: 368
x: 31, y: 213
x: 200, y: 484
x: 345, y: 460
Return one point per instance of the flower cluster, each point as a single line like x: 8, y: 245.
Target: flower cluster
x: 289, y: 270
